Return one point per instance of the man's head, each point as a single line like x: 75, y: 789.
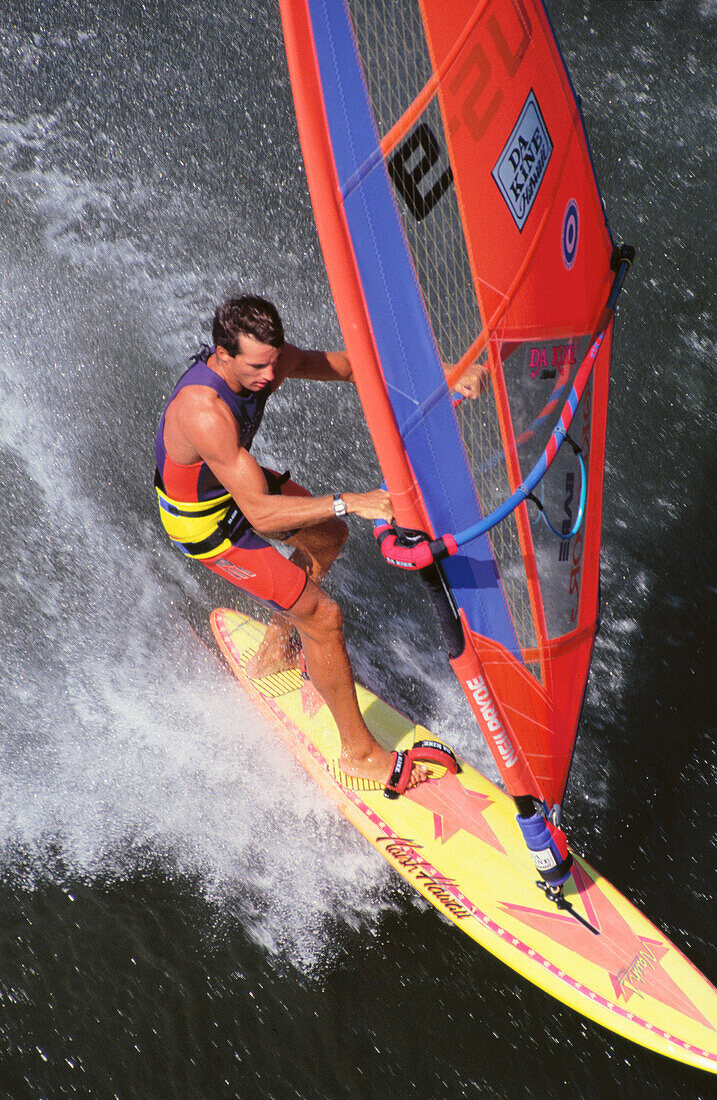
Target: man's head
x: 246, y: 316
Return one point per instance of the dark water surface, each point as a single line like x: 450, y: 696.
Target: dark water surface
x: 181, y: 912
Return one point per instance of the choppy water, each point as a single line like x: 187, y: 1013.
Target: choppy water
x: 181, y: 913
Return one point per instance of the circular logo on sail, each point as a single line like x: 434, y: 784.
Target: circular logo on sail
x: 571, y: 226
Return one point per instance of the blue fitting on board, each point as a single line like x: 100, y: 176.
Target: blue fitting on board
x: 548, y: 846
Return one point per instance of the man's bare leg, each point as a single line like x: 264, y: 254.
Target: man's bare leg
x: 316, y: 550
x: 320, y: 624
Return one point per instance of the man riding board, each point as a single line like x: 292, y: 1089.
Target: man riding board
x: 203, y: 453
x: 216, y: 503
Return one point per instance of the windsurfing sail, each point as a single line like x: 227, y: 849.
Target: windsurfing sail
x: 463, y: 233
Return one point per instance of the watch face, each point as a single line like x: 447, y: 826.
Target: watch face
x: 339, y: 506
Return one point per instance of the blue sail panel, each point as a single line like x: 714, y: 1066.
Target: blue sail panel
x: 414, y: 375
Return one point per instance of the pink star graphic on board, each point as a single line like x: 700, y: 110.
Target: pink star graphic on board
x: 454, y: 808
x: 632, y: 962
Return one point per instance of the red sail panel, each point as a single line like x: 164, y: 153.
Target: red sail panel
x: 507, y: 81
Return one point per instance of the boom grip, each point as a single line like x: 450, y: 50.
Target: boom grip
x: 416, y: 551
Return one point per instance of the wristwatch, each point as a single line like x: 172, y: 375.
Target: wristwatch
x: 339, y: 506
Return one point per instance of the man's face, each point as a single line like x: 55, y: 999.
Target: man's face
x: 253, y: 366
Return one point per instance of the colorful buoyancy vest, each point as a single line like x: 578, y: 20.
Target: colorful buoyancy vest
x: 197, y: 512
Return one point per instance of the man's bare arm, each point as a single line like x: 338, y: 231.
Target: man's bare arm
x: 335, y: 366
x: 319, y: 366
x: 212, y: 431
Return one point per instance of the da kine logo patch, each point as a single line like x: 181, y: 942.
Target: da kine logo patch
x: 523, y: 162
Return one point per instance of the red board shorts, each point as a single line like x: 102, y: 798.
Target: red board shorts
x: 258, y: 568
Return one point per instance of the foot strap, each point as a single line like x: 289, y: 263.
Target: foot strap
x: 425, y: 752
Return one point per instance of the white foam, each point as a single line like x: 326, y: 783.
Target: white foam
x: 126, y: 745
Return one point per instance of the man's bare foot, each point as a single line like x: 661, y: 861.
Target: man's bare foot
x: 278, y: 651
x: 378, y: 766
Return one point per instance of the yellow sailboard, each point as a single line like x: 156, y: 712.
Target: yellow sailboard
x: 455, y: 839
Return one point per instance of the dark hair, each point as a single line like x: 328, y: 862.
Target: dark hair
x: 246, y: 316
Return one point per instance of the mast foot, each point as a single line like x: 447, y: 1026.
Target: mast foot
x: 555, y: 894
x: 548, y: 846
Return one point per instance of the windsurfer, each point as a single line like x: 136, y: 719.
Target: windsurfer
x: 220, y: 506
